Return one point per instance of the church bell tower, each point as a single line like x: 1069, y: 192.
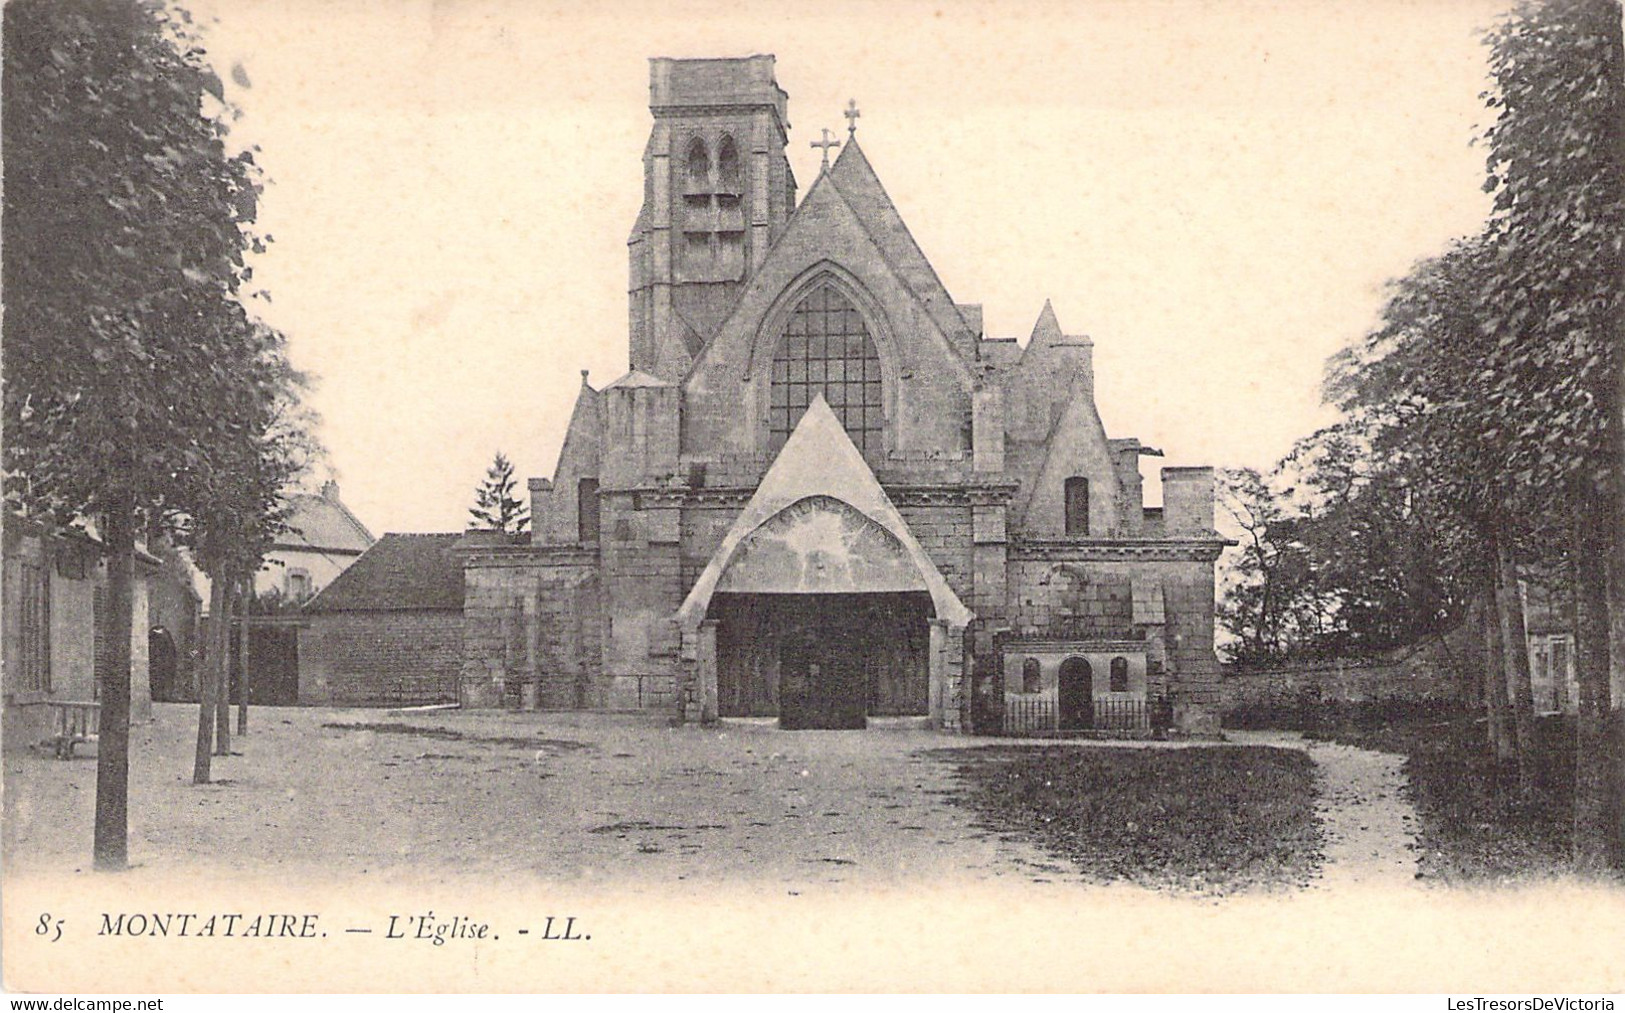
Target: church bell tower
x: 717, y: 190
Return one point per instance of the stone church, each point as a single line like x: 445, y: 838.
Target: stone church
x: 821, y: 494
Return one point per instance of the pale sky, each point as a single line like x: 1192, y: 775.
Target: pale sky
x: 1214, y: 192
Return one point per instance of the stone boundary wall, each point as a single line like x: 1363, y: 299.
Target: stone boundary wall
x: 1426, y: 672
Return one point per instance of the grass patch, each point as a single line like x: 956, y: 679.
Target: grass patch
x: 1475, y: 827
x: 1209, y: 820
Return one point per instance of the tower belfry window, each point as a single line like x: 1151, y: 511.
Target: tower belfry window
x: 712, y: 247
x: 728, y: 178
x: 826, y: 349
x: 699, y: 169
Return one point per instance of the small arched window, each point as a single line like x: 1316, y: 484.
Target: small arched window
x: 699, y: 167
x: 1077, y: 506
x: 728, y: 176
x: 1119, y: 675
x: 1032, y: 676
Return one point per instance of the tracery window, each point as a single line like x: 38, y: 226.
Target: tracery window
x: 827, y: 349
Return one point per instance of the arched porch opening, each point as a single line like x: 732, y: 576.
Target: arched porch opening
x: 823, y: 660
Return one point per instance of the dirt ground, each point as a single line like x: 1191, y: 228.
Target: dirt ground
x: 562, y: 796
x: 714, y: 858
x: 1370, y: 825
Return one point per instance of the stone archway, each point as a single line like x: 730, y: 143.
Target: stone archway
x: 820, y: 569
x: 823, y: 660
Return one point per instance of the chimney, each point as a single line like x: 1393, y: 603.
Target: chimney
x: 330, y: 491
x: 1187, y: 501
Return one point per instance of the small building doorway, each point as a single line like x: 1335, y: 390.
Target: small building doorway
x: 1076, y: 694
x: 162, y: 665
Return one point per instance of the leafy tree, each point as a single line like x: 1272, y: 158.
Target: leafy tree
x: 496, y: 508
x: 242, y: 496
x: 1265, y: 576
x: 1557, y: 168
x: 130, y: 359
x: 1494, y: 382
x: 1419, y: 383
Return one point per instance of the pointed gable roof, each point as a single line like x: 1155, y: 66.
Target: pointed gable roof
x: 855, y: 178
x: 1078, y: 436
x: 825, y: 229
x: 638, y: 378
x: 1046, y: 332
x: 819, y: 459
x: 580, y: 447
x: 321, y: 521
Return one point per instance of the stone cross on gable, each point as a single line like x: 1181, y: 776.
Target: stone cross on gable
x: 827, y: 143
x: 851, y: 115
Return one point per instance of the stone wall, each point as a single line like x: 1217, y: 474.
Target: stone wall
x: 532, y: 617
x: 380, y: 658
x: 1064, y: 594
x: 944, y: 532
x: 1429, y: 672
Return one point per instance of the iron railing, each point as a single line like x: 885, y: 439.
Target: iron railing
x: 1029, y: 715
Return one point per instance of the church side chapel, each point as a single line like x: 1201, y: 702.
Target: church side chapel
x: 821, y: 494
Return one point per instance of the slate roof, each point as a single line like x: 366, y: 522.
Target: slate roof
x: 400, y: 572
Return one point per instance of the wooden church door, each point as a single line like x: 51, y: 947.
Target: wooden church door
x: 820, y: 685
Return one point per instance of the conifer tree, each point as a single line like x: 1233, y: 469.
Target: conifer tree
x: 496, y: 508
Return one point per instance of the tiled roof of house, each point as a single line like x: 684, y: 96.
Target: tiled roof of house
x: 322, y: 521
x: 400, y: 572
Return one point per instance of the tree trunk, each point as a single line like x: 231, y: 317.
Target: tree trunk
x: 242, y: 666
x: 1612, y: 400
x: 1612, y: 516
x: 1593, y: 776
x: 1515, y: 656
x: 113, y: 743
x: 1495, y: 687
x: 209, y: 680
x: 222, y: 700
x: 1615, y: 700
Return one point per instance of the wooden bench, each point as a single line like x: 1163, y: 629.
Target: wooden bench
x: 72, y: 723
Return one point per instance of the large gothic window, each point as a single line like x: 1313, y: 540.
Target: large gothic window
x: 827, y: 349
